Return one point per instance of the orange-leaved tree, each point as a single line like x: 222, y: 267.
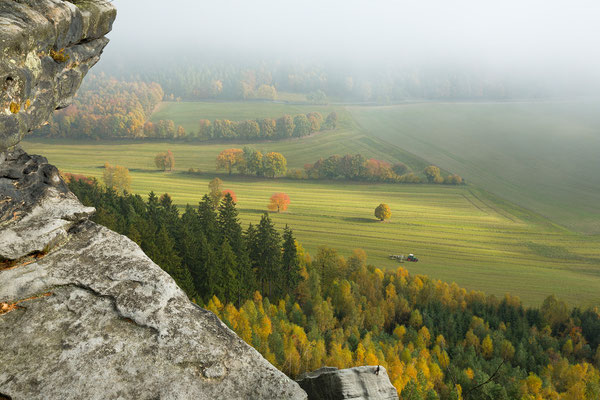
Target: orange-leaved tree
x: 231, y: 193
x: 229, y: 158
x: 279, y: 202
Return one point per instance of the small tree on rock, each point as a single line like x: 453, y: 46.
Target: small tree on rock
x: 383, y: 212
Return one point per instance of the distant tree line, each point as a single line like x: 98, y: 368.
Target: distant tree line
x: 357, y: 167
x: 266, y: 80
x: 107, y: 108
x: 249, y: 161
x: 267, y: 128
x: 436, y: 340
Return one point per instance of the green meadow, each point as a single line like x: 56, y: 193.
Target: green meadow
x: 543, y: 156
x: 461, y: 234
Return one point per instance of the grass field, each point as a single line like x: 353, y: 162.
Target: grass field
x: 542, y: 156
x: 462, y: 234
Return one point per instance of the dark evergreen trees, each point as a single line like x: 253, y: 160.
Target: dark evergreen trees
x: 268, y: 257
x: 290, y: 264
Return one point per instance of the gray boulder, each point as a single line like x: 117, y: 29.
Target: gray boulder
x: 46, y: 48
x: 330, y: 383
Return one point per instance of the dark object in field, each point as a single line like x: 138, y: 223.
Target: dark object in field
x: 411, y: 257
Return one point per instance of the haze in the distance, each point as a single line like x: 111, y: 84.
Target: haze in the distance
x: 553, y: 41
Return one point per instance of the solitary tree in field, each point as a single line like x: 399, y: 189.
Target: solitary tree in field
x: 165, y: 161
x: 117, y: 178
x: 215, y: 193
x: 383, y: 212
x: 229, y: 158
x: 231, y: 193
x: 279, y: 202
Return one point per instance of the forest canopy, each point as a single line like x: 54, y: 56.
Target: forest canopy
x: 436, y: 340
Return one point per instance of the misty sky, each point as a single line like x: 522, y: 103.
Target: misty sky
x: 532, y: 34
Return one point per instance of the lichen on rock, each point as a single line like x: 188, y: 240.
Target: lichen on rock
x: 30, y: 32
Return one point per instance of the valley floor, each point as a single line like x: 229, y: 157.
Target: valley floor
x: 461, y: 234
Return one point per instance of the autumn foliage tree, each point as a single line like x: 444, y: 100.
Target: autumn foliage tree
x: 229, y: 192
x: 165, y: 161
x: 229, y: 158
x: 433, y: 174
x: 215, y: 192
x: 279, y: 202
x: 274, y: 164
x: 117, y: 178
x: 383, y: 212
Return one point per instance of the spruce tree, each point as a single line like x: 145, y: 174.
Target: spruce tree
x: 152, y: 209
x: 230, y: 230
x: 208, y: 220
x: 207, y: 271
x: 269, y: 256
x: 290, y: 264
x: 250, y: 237
x: 228, y: 283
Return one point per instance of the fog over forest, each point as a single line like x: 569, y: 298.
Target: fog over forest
x: 554, y: 43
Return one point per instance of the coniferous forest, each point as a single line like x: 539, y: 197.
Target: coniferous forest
x: 301, y: 311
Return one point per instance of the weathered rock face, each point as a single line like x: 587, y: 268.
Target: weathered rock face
x: 359, y: 383
x: 85, y: 314
x: 46, y: 48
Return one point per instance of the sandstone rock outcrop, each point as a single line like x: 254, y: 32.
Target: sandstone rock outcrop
x: 359, y: 383
x: 84, y: 313
x: 46, y: 48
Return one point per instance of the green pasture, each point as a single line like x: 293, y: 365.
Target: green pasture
x: 460, y: 234
x: 544, y: 156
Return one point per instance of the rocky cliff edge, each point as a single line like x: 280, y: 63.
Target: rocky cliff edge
x: 84, y: 313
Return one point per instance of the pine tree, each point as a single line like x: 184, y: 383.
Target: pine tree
x: 230, y: 230
x: 228, y: 283
x: 269, y: 255
x: 290, y: 264
x: 229, y: 225
x: 208, y: 220
x: 152, y: 206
